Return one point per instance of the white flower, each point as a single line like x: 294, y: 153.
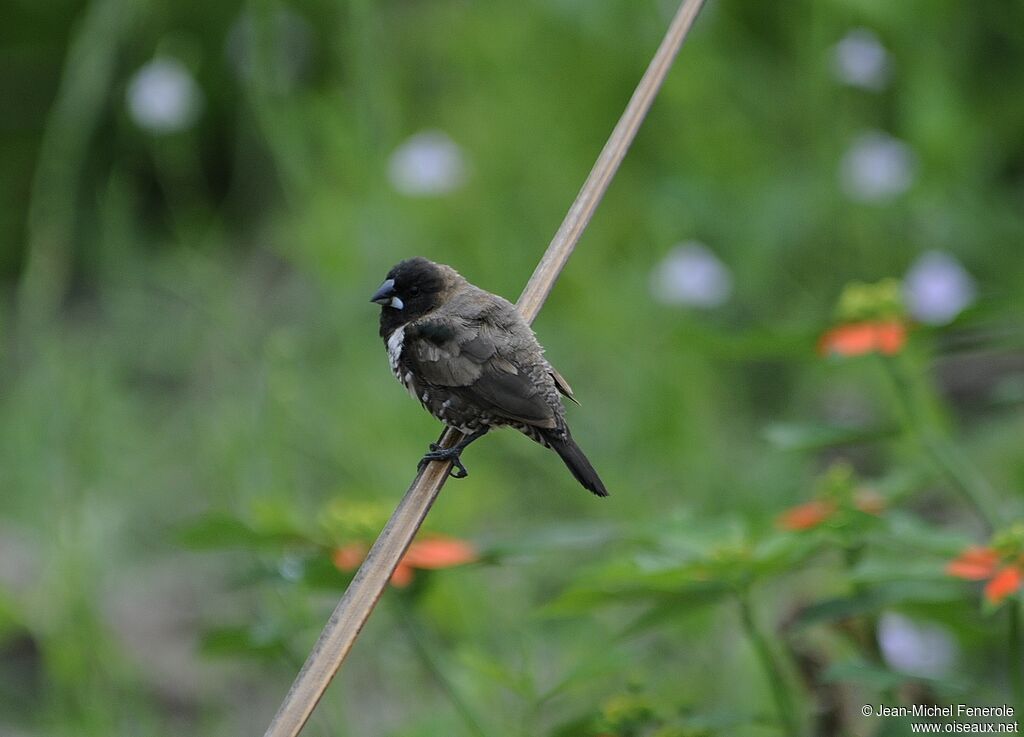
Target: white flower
x: 163, y: 97
x: 690, y: 274
x: 860, y: 60
x: 914, y: 647
x: 877, y: 167
x: 428, y: 163
x: 937, y: 288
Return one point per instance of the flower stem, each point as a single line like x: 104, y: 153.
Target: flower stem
x: 416, y: 638
x: 773, y: 669
x: 947, y: 457
x: 1015, y: 654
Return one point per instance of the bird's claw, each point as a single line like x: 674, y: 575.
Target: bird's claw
x: 437, y: 453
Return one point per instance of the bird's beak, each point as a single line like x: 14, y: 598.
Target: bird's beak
x: 386, y: 297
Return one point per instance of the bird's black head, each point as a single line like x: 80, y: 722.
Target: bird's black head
x: 413, y: 288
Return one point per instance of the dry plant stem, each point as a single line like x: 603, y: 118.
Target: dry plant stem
x: 362, y: 595
x: 555, y: 258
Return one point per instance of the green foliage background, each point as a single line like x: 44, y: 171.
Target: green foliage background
x: 186, y: 336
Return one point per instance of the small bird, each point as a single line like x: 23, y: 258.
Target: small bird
x: 471, y: 360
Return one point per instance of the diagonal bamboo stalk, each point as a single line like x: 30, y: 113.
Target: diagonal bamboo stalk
x: 348, y: 618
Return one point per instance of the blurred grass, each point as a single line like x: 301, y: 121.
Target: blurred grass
x: 191, y: 331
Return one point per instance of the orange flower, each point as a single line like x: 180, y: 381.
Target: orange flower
x: 431, y: 553
x: 1003, y: 584
x: 439, y: 552
x: 860, y: 338
x: 349, y: 557
x: 402, y: 576
x: 808, y: 515
x: 974, y: 564
x: 984, y: 564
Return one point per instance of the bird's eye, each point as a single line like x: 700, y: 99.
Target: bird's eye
x: 413, y: 291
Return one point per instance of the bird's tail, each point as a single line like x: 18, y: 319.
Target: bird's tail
x: 563, y: 444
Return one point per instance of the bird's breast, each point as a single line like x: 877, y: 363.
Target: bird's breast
x: 396, y: 341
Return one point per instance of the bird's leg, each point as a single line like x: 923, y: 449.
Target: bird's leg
x: 437, y: 453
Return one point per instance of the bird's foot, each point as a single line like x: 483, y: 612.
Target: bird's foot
x: 437, y: 453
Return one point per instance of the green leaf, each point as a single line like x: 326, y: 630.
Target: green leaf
x: 899, y: 570
x: 857, y: 671
x: 218, y: 531
x: 241, y: 640
x: 673, y: 609
x: 877, y: 598
x: 909, y: 534
x: 581, y: 600
x: 839, y: 608
x: 752, y: 344
x: 222, y: 531
x: 319, y: 572
x: 582, y: 726
x: 494, y: 670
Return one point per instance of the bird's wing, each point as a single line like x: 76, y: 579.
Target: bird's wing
x: 562, y: 385
x: 446, y: 352
x: 471, y: 357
